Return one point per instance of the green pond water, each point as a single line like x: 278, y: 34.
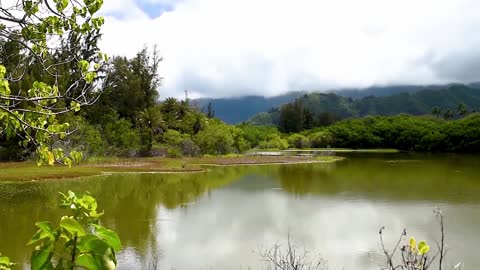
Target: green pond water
x: 223, y: 218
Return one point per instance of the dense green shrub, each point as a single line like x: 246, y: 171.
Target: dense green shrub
x: 87, y: 138
x: 406, y: 132
x: 321, y: 139
x: 215, y: 139
x: 12, y: 151
x: 189, y: 148
x: 273, y: 141
x: 463, y: 135
x: 121, y: 139
x: 173, y: 137
x: 256, y: 134
x: 298, y: 141
x: 239, y: 143
x: 174, y: 153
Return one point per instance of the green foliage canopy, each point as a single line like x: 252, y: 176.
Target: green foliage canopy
x: 34, y: 30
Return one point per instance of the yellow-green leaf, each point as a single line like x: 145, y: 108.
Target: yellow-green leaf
x: 3, y: 70
x: 51, y: 158
x: 68, y: 162
x: 72, y: 226
x: 413, y: 244
x: 423, y: 248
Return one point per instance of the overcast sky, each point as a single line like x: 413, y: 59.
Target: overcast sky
x: 235, y: 47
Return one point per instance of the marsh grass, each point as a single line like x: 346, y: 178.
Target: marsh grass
x: 29, y: 171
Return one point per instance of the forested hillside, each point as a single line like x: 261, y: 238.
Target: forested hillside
x: 319, y: 109
x: 236, y: 110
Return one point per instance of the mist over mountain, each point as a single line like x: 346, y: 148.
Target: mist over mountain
x: 239, y: 109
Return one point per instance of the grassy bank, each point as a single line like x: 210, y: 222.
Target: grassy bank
x: 28, y: 171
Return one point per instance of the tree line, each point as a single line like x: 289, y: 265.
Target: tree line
x: 127, y: 120
x: 57, y: 102
x: 321, y: 109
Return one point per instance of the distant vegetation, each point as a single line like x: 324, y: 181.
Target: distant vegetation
x: 404, y: 132
x: 128, y: 121
x: 319, y: 109
x: 115, y: 110
x: 239, y: 109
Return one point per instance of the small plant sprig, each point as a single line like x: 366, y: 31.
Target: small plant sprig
x: 5, y: 263
x: 78, y: 241
x: 413, y: 256
x: 417, y: 257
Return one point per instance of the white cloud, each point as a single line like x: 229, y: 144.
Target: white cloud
x: 227, y: 47
x: 126, y: 10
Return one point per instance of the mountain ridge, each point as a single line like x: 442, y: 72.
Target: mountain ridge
x: 240, y: 109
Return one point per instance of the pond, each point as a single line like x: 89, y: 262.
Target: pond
x: 226, y: 217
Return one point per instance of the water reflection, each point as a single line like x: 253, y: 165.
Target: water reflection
x: 220, y: 219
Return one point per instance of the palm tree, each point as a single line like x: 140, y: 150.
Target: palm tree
x: 151, y: 119
x: 170, y: 106
x: 170, y: 111
x: 183, y: 108
x: 462, y: 109
x: 436, y: 111
x: 447, y: 115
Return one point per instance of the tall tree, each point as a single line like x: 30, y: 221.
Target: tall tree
x: 210, y: 112
x: 131, y: 86
x: 152, y: 124
x: 292, y: 116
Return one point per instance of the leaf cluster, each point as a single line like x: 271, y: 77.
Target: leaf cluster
x: 79, y: 240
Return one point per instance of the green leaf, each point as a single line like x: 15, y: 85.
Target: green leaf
x: 109, y: 236
x: 4, y: 260
x: 5, y: 263
x: 46, y: 226
x: 93, y: 5
x: 90, y: 77
x: 51, y: 158
x: 75, y: 106
x: 46, y: 231
x: 4, y: 88
x: 61, y: 5
x: 88, y: 202
x: 83, y: 65
x: 413, y: 244
x: 423, y: 248
x: 68, y: 162
x: 76, y: 156
x: 72, y: 226
x: 41, y: 257
x: 96, y: 254
x: 3, y: 70
x: 58, y: 153
x: 92, y: 262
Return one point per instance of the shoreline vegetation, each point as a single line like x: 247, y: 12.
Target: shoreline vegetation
x: 29, y: 171
x: 129, y: 121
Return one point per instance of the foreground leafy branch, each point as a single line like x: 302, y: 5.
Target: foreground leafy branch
x: 78, y: 241
x: 38, y: 31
